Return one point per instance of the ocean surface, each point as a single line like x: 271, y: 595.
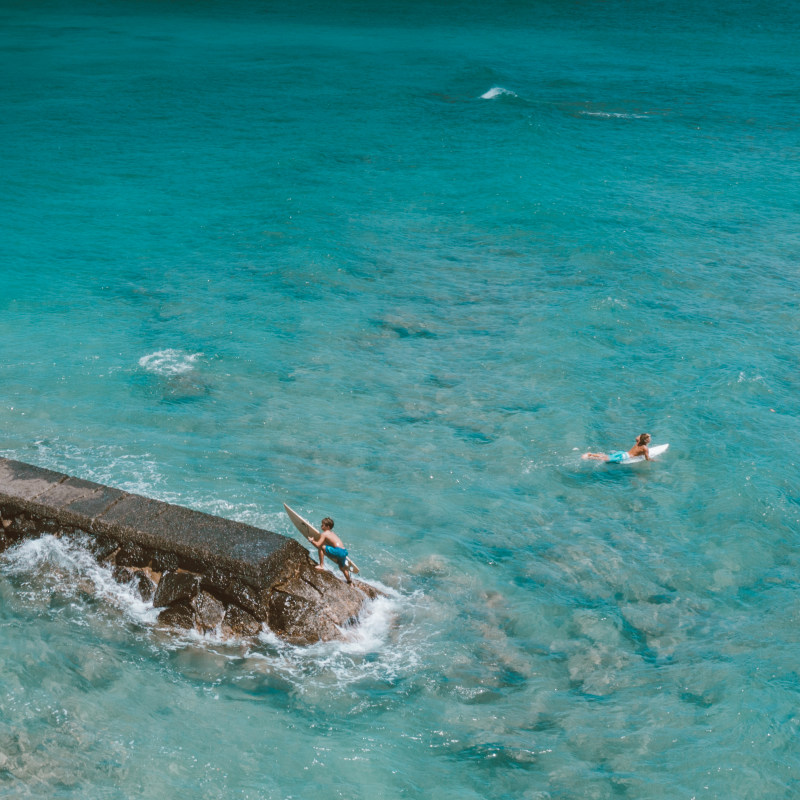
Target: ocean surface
x: 401, y: 263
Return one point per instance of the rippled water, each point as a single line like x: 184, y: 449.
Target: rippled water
x: 402, y: 264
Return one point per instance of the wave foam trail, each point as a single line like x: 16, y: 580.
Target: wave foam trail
x: 375, y: 650
x: 169, y: 362
x: 50, y: 566
x: 497, y: 91
x: 614, y: 115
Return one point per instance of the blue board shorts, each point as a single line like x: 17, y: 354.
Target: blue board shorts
x: 337, y: 554
x: 617, y: 456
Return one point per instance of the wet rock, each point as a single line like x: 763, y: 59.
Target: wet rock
x: 313, y: 605
x: 175, y: 587
x: 133, y: 555
x: 208, y: 612
x: 122, y: 574
x: 142, y: 586
x: 218, y: 580
x: 101, y: 547
x: 180, y: 615
x: 238, y: 623
x: 233, y: 590
x: 164, y: 562
x: 298, y: 620
x: 370, y: 591
x: 22, y: 527
x: 254, y: 601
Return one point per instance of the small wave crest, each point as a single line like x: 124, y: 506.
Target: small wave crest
x: 498, y: 91
x: 169, y: 362
x: 614, y: 115
x: 374, y: 649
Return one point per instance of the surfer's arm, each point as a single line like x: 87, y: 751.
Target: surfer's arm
x: 324, y: 538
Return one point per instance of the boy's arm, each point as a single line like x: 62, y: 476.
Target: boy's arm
x: 323, y: 537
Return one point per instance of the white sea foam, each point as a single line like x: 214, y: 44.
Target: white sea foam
x: 614, y: 115
x: 497, y: 91
x: 51, y: 567
x: 375, y: 649
x: 65, y: 567
x: 744, y: 378
x: 169, y: 362
x: 105, y: 464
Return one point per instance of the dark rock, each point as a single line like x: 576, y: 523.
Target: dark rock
x: 218, y: 581
x: 25, y: 527
x: 102, y: 547
x: 164, y: 562
x: 208, y: 612
x: 122, y: 574
x: 254, y: 601
x: 5, y: 542
x: 298, y: 620
x: 314, y: 605
x: 141, y: 584
x: 133, y: 555
x: 175, y: 587
x: 179, y: 615
x: 8, y: 529
x: 144, y: 587
x: 239, y: 623
x: 229, y: 588
x: 370, y: 591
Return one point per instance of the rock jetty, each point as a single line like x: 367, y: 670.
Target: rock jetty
x: 206, y: 572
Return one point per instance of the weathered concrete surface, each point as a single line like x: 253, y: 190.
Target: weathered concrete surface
x: 208, y: 572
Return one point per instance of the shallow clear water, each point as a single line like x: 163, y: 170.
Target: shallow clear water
x: 401, y: 264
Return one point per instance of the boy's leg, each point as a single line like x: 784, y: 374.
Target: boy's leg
x: 321, y: 564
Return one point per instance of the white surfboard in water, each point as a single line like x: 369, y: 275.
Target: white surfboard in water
x: 654, y: 451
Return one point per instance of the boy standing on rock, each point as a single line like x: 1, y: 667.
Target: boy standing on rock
x: 331, y: 544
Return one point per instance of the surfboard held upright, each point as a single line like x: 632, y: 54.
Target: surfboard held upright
x: 311, y: 533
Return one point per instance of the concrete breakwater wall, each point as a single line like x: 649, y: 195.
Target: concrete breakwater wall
x: 206, y: 572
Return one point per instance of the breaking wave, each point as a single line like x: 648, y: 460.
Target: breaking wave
x: 497, y: 91
x: 169, y: 362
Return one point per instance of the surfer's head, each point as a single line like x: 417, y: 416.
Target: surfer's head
x: 326, y: 524
x: 643, y: 439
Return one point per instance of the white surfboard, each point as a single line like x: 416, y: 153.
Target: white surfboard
x: 654, y: 451
x: 310, y: 532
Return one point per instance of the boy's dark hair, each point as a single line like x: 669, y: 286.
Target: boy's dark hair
x: 327, y: 523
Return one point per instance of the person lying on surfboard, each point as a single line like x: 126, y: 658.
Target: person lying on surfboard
x: 331, y: 544
x: 639, y: 449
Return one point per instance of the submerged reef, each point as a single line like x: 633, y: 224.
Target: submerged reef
x: 206, y: 572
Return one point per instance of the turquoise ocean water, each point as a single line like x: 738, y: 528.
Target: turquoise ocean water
x: 401, y: 264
